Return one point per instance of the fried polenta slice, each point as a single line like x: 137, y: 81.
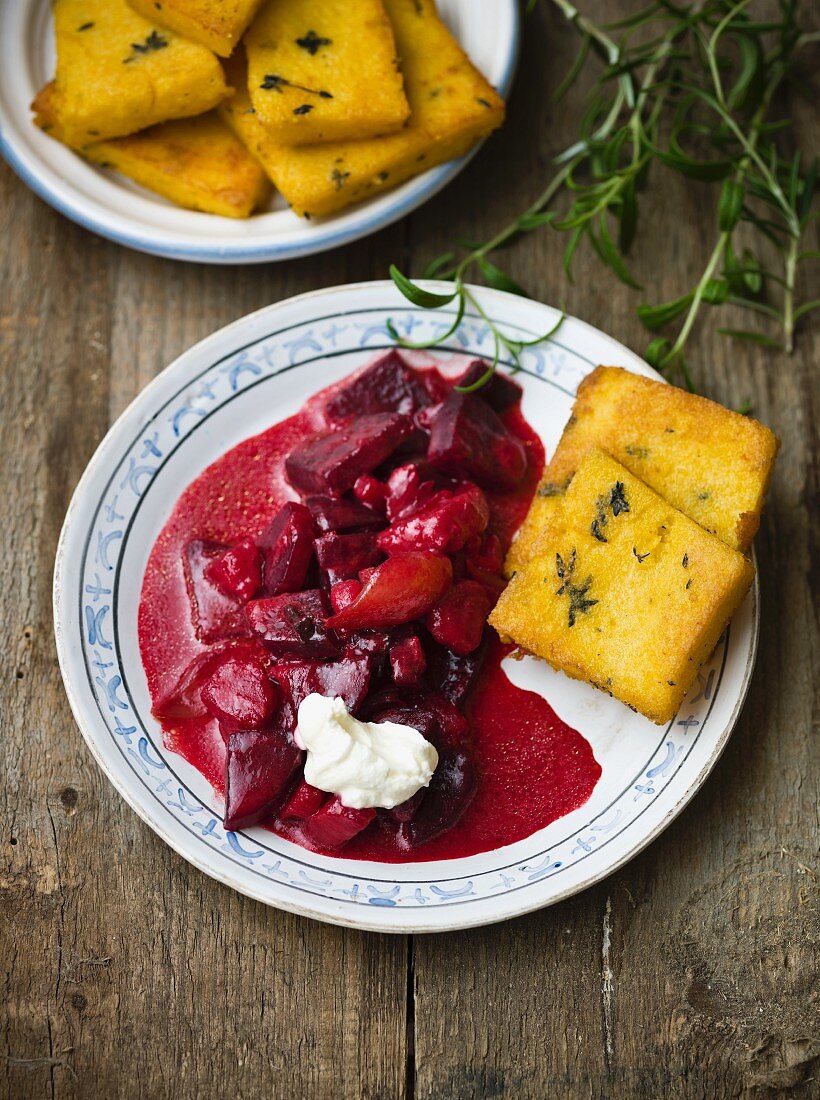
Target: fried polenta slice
x: 118, y: 73
x: 625, y: 593
x: 325, y: 70
x: 198, y: 163
x: 452, y: 104
x: 217, y: 24
x: 711, y: 463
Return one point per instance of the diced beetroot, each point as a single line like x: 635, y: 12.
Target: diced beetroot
x: 457, y: 621
x: 486, y: 553
x: 184, y: 699
x: 239, y: 692
x: 493, y: 583
x: 499, y: 391
x: 347, y: 677
x: 450, y: 792
x: 332, y: 463
x: 419, y: 715
x: 409, y: 487
x: 293, y: 624
x: 405, y: 811
x: 335, y: 824
x: 388, y: 385
x: 374, y: 642
x: 402, y: 589
x: 238, y: 572
x: 304, y: 801
x: 288, y: 547
x: 344, y: 593
x: 453, y: 727
x: 259, y: 767
x: 371, y: 492
x: 407, y: 661
x: 335, y: 514
x: 468, y: 439
x: 344, y: 556
x: 454, y: 675
x: 214, y: 614
x: 444, y: 523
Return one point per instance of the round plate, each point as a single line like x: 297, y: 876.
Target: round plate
x: 114, y: 207
x: 233, y: 385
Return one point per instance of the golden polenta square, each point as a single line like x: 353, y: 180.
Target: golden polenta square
x: 217, y: 24
x: 118, y: 73
x: 453, y: 106
x: 626, y: 592
x: 711, y: 463
x: 325, y: 70
x: 198, y: 163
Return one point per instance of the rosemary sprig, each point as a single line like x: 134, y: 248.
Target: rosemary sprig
x: 690, y: 88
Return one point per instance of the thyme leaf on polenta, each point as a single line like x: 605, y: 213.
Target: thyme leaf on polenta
x: 579, y: 603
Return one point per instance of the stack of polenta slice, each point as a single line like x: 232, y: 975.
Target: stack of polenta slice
x: 631, y: 560
x: 332, y: 101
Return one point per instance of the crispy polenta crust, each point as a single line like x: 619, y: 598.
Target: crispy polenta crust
x: 325, y: 70
x: 452, y: 104
x: 217, y: 24
x: 197, y: 163
x: 118, y: 73
x: 626, y: 593
x: 711, y: 463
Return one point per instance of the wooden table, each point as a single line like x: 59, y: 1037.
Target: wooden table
x: 128, y: 973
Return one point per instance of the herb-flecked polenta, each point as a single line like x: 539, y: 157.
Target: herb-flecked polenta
x: 197, y: 163
x: 452, y: 107
x: 217, y: 24
x: 325, y: 70
x: 118, y: 73
x: 711, y: 463
x: 625, y: 592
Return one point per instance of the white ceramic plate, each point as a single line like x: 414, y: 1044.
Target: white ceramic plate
x: 234, y: 384
x: 115, y: 208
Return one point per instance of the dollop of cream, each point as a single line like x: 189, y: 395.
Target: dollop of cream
x: 367, y: 764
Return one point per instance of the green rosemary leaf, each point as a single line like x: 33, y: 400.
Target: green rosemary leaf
x: 569, y: 252
x: 573, y: 72
x: 807, y: 193
x: 716, y: 292
x: 606, y: 249
x: 807, y: 307
x: 751, y: 62
x: 424, y: 298
x: 751, y: 337
x: 533, y: 221
x: 628, y: 217
x: 437, y: 265
x: 498, y: 280
x: 730, y: 205
x: 656, y: 351
x: 657, y: 316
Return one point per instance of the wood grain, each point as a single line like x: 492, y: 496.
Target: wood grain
x: 127, y: 973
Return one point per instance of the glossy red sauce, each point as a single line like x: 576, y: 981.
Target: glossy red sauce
x: 533, y: 767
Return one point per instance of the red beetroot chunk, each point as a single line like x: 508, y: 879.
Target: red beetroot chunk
x: 333, y: 463
x: 388, y: 385
x: 404, y: 588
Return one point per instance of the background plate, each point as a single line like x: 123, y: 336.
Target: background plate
x: 115, y: 208
x: 234, y: 384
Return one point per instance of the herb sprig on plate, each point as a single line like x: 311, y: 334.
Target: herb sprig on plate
x: 689, y: 87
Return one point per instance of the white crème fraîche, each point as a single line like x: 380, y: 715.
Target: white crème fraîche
x: 367, y: 764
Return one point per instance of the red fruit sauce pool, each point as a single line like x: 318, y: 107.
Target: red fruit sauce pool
x: 532, y: 767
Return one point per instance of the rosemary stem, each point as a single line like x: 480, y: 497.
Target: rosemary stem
x: 788, y: 295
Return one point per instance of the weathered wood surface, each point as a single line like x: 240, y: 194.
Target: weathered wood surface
x: 127, y: 973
